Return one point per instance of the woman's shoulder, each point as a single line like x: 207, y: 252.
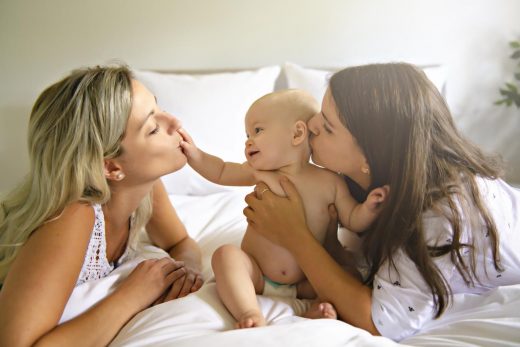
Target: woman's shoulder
x: 77, y: 217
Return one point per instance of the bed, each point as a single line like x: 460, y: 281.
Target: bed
x: 212, y: 107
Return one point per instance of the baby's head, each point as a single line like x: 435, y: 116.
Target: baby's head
x: 276, y: 128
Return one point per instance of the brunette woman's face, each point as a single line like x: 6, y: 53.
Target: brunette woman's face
x: 333, y: 146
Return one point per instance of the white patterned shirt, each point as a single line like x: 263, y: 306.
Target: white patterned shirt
x: 402, y: 303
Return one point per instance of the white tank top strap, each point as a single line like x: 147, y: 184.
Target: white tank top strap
x: 96, y: 264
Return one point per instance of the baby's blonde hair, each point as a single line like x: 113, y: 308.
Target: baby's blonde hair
x: 75, y: 125
x: 298, y: 104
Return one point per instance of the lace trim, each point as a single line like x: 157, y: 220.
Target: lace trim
x: 96, y: 264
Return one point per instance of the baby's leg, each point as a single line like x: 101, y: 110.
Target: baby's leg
x: 238, y: 279
x: 319, y: 308
x: 304, y: 290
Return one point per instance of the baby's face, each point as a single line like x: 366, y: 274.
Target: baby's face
x: 268, y: 138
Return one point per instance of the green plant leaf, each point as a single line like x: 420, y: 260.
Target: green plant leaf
x: 514, y: 44
x: 515, y: 55
x: 517, y: 76
x: 511, y: 87
x: 500, y: 102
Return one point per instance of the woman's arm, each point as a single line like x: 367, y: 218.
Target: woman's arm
x: 166, y: 230
x: 282, y: 220
x: 43, y: 276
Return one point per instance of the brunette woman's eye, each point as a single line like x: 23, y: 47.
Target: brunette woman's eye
x: 327, y: 129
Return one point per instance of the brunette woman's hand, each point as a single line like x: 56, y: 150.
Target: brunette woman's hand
x: 150, y: 279
x: 279, y: 219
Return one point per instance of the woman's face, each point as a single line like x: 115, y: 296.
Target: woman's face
x: 333, y: 146
x: 151, y: 146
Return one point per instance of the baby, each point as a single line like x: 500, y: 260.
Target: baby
x: 277, y: 144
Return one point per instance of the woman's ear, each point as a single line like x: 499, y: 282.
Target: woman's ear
x: 300, y: 132
x: 113, y: 171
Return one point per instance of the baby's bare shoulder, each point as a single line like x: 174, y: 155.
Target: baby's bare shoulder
x: 323, y: 176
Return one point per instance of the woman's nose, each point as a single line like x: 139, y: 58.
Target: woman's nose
x: 174, y: 123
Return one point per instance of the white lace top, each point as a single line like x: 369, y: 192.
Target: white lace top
x: 96, y: 264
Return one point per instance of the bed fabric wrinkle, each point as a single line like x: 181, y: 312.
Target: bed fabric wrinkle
x: 201, y: 319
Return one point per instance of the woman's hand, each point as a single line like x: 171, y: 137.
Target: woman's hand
x: 150, y: 279
x: 279, y: 219
x: 189, y: 283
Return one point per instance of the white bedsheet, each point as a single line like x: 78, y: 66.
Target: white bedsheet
x: 200, y: 319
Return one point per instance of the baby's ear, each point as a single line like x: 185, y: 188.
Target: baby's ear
x: 299, y: 132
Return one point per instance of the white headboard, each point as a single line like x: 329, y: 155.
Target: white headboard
x: 42, y: 40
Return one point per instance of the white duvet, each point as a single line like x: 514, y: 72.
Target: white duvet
x: 200, y: 319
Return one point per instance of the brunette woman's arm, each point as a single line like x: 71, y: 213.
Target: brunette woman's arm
x: 282, y: 220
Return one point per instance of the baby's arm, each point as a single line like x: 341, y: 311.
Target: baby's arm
x: 215, y: 169
x: 355, y: 216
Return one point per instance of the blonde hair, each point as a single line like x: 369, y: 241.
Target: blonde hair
x: 75, y: 124
x: 299, y: 104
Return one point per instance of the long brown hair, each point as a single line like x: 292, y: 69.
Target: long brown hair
x: 407, y: 134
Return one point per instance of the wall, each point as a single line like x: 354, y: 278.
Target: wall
x: 42, y: 40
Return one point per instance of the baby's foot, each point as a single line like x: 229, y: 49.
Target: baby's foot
x: 250, y: 319
x: 321, y: 310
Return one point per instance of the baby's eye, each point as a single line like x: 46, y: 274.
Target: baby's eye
x: 258, y: 129
x: 155, y: 131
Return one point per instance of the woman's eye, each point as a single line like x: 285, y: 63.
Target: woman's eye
x: 155, y: 131
x: 327, y: 129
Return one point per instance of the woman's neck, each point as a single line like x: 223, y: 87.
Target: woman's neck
x: 123, y: 203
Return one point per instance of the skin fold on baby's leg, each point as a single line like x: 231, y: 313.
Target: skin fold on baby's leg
x: 238, y: 280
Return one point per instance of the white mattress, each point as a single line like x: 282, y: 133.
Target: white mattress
x: 200, y: 319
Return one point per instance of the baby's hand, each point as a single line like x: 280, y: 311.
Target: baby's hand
x: 188, y: 145
x: 376, y: 198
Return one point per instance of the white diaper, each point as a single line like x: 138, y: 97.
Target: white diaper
x: 272, y: 288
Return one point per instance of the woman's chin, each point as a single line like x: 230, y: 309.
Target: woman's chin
x: 180, y: 162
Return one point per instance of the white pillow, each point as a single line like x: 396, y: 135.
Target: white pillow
x: 211, y: 108
x: 315, y: 81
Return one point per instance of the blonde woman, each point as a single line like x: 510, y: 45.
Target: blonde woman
x: 98, y: 144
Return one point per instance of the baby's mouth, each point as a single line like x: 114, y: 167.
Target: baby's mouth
x: 252, y: 153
